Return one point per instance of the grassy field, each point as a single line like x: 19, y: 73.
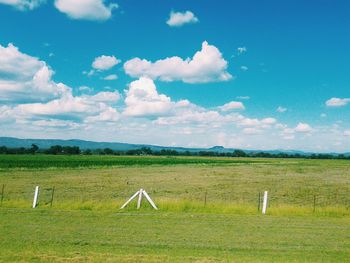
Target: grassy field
x: 78, y: 161
x: 208, y: 210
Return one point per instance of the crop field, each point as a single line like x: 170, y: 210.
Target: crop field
x: 208, y: 209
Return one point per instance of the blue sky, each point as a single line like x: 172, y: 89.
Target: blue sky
x: 244, y: 74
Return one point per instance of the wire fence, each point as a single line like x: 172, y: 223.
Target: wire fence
x: 50, y: 195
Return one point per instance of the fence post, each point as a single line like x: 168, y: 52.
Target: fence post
x: 264, y: 203
x: 36, y: 194
x: 140, y: 199
x: 205, y: 198
x: 2, y: 194
x: 52, y: 194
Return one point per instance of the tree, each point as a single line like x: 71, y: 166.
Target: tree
x: 108, y: 151
x: 34, y: 149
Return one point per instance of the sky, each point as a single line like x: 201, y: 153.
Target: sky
x: 246, y: 74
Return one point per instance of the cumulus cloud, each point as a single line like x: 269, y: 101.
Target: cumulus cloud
x: 257, y: 123
x: 178, y: 19
x: 105, y: 62
x: 25, y: 78
x: 207, y: 65
x: 108, y: 115
x: 233, y: 105
x: 337, y: 102
x: 303, y: 128
x: 86, y: 9
x: 142, y: 99
x: 268, y: 121
x: 192, y: 115
x: 104, y: 96
x: 73, y: 108
x: 32, y: 97
x: 111, y: 77
x: 23, y: 5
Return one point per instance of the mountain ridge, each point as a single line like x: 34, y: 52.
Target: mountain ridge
x: 13, y: 142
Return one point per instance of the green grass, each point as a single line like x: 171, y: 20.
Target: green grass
x: 81, y: 236
x: 85, y: 223
x: 41, y: 161
x: 289, y: 182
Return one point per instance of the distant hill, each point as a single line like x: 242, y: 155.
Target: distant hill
x: 117, y: 146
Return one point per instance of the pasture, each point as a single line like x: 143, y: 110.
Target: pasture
x: 208, y: 209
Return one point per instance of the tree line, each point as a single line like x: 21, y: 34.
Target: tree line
x: 75, y: 150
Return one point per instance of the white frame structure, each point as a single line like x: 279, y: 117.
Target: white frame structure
x: 140, y: 193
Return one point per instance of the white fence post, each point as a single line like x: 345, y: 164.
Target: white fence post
x: 264, y: 203
x: 36, y: 194
x: 140, y: 199
x: 130, y: 199
x: 150, y: 200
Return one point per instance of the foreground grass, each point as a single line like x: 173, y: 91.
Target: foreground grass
x: 188, y: 206
x: 44, y: 235
x: 208, y: 210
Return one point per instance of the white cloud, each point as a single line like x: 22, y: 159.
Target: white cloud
x: 268, y: 121
x: 323, y: 115
x: 289, y: 137
x: 248, y: 122
x: 142, y: 99
x: 192, y: 116
x: 23, y: 5
x: 69, y: 107
x: 86, y: 9
x: 105, y: 96
x: 178, y: 19
x: 25, y: 78
x: 281, y: 109
x: 5, y: 114
x: 105, y: 62
x: 244, y: 68
x: 56, y: 123
x: 111, y: 77
x: 241, y: 50
x: 89, y: 73
x: 303, y: 128
x: 252, y: 131
x: 207, y: 65
x: 233, y: 105
x: 85, y: 88
x: 347, y: 133
x: 264, y: 123
x: 337, y: 102
x: 108, y: 115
